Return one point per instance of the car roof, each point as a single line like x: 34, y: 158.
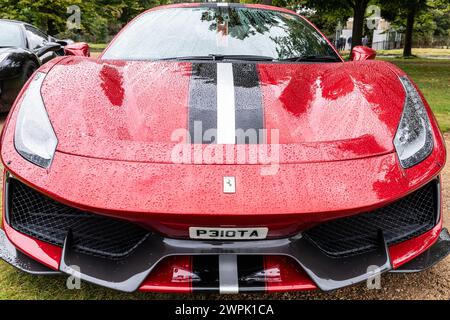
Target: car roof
x: 18, y: 22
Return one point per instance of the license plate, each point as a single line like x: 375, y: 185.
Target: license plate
x: 228, y: 233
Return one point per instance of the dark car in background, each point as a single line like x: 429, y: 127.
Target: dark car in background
x: 23, y: 49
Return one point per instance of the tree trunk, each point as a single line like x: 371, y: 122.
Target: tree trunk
x: 407, y: 50
x: 359, y: 12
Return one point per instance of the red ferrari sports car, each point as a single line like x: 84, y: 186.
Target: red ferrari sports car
x: 222, y: 148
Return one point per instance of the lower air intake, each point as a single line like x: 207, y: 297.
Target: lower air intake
x: 38, y: 216
x: 405, y: 219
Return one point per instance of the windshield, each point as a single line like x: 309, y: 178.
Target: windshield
x: 227, y: 31
x: 10, y: 35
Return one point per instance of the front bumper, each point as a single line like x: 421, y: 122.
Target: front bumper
x: 327, y: 273
x: 94, y: 248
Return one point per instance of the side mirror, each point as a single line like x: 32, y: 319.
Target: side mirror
x: 65, y: 42
x: 80, y: 49
x: 361, y: 53
x: 49, y: 46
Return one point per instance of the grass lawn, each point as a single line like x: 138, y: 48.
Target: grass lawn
x: 433, y: 78
x: 97, y: 47
x: 431, y: 52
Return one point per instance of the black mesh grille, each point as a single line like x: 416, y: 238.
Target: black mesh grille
x: 405, y: 219
x: 35, y: 215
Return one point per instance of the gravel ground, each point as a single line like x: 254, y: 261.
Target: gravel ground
x: 431, y: 284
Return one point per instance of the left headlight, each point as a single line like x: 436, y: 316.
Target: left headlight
x: 34, y: 138
x: 414, y: 139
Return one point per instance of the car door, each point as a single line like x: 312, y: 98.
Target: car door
x: 36, y: 40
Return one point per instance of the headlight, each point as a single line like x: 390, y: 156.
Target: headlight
x: 414, y: 140
x: 34, y: 137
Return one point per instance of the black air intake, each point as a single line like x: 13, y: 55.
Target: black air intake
x: 40, y: 217
x: 405, y: 219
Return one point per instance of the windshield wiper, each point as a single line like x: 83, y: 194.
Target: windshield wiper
x: 220, y: 57
x: 312, y: 58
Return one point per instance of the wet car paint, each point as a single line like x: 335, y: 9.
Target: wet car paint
x: 130, y: 110
x: 171, y: 197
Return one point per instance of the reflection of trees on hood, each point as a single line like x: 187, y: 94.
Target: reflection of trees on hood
x: 241, y: 23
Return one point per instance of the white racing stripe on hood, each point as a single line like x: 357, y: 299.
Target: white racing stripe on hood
x: 226, y: 109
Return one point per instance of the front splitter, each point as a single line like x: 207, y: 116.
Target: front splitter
x: 328, y: 273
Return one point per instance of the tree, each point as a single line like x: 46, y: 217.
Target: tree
x: 99, y: 18
x: 328, y: 22
x: 49, y: 15
x: 406, y: 13
x: 359, y: 11
x: 357, y: 7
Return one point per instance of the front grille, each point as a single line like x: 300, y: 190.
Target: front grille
x: 403, y: 220
x: 38, y: 216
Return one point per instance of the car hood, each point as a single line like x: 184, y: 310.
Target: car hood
x: 138, y: 111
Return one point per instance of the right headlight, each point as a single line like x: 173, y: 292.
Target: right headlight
x: 414, y: 139
x: 34, y: 137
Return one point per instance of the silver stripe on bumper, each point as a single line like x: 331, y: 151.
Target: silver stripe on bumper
x: 228, y: 274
